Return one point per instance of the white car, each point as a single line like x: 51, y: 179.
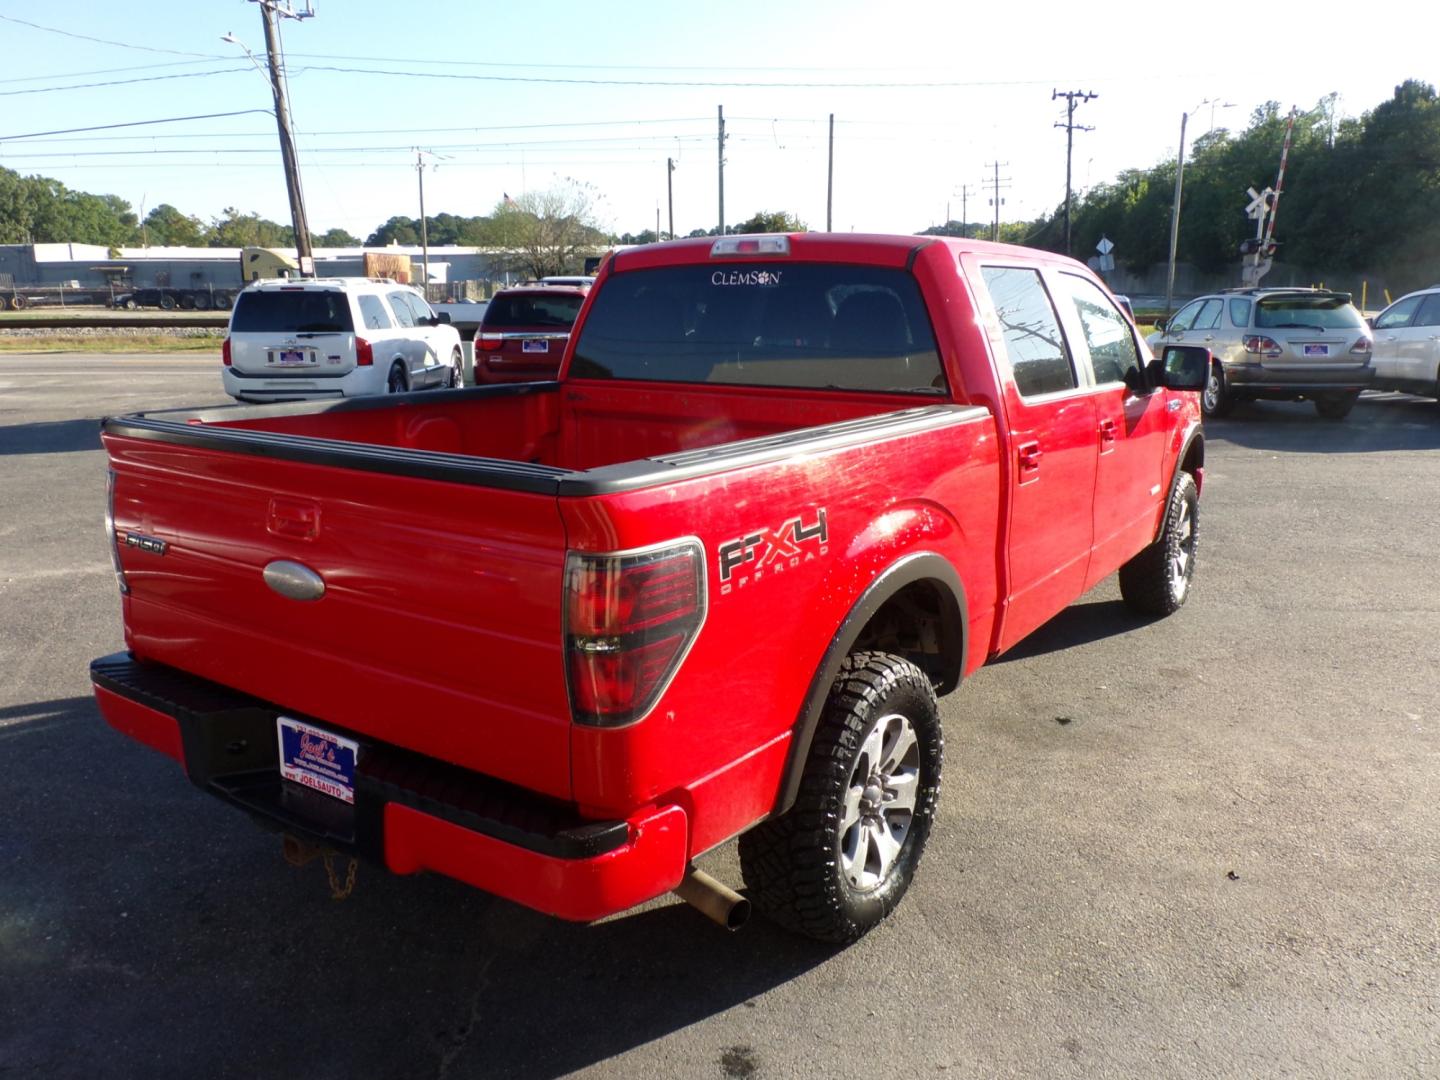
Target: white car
x: 291, y: 340
x: 1407, y: 344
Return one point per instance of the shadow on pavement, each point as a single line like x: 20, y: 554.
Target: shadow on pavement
x: 190, y: 948
x: 1078, y: 624
x: 1379, y: 422
x: 50, y: 437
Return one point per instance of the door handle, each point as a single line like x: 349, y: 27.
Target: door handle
x: 1173, y: 405
x: 1029, y: 455
x: 1107, y: 431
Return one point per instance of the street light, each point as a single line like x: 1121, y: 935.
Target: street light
x: 1179, y: 183
x: 288, y: 156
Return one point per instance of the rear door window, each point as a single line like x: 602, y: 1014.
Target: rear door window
x: 1033, y: 342
x: 819, y: 325
x: 299, y: 311
x: 1429, y: 313
x: 1240, y: 313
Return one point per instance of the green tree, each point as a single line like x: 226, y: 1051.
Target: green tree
x: 398, y: 230
x: 166, y: 226
x: 334, y: 238
x: 770, y: 221
x: 235, y: 229
x: 547, y: 232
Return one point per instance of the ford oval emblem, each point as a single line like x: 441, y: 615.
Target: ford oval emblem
x: 294, y: 581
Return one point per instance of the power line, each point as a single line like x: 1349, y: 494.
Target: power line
x: 106, y: 41
x: 120, y: 82
x: 108, y: 71
x: 131, y: 123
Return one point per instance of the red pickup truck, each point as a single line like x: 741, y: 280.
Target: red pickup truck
x: 558, y: 640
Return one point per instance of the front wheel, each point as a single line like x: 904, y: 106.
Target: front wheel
x: 843, y: 856
x: 1215, y: 399
x: 457, y: 370
x: 1337, y: 406
x: 1157, y: 580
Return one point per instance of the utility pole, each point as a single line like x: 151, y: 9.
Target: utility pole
x: 830, y: 177
x: 964, y: 210
x: 1070, y: 97
x: 996, y: 201
x: 670, y: 192
x: 1175, y: 218
x: 424, y: 233
x: 721, y: 114
x: 269, y: 10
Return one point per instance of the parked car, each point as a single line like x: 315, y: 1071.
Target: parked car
x: 524, y: 331
x: 336, y: 337
x: 1277, y: 345
x: 560, y: 640
x: 1407, y: 344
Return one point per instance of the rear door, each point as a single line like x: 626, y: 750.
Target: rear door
x: 297, y: 331
x: 1053, y: 423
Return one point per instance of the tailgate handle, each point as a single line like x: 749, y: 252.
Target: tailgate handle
x: 294, y: 580
x: 294, y: 519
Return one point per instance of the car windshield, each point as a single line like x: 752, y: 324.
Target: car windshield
x: 818, y: 325
x: 300, y: 311
x: 1304, y: 312
x: 529, y: 310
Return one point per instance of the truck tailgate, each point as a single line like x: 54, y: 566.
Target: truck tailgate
x: 439, y: 627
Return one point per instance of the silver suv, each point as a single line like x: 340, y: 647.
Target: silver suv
x: 1277, y: 344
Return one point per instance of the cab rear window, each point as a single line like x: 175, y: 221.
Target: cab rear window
x: 815, y: 325
x: 302, y: 311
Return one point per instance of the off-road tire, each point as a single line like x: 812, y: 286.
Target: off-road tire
x: 793, y: 865
x: 1157, y: 580
x: 1337, y: 406
x: 1216, y: 399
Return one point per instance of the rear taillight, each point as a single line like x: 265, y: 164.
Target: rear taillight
x: 629, y: 620
x: 225, y: 351
x: 1361, y: 347
x: 364, y: 354
x: 1259, y: 345
x: 110, y: 530
x: 490, y: 342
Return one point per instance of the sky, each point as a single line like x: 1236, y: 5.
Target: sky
x: 507, y: 98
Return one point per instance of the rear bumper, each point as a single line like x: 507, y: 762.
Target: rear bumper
x: 1300, y: 380
x: 411, y: 812
x: 302, y: 386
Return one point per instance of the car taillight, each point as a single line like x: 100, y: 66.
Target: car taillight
x: 1260, y: 345
x: 1361, y: 347
x: 490, y: 342
x: 629, y: 620
x: 110, y: 531
x: 225, y: 351
x: 364, y: 354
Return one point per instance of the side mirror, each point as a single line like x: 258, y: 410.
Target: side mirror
x: 1370, y: 321
x: 1180, y: 367
x: 1160, y: 326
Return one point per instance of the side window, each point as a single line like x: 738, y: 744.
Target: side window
x: 1429, y: 313
x: 1184, y: 318
x: 373, y: 312
x: 1398, y: 314
x: 1106, y: 331
x: 1032, y: 332
x: 1240, y: 313
x: 1209, y: 316
x: 420, y: 309
x: 399, y: 303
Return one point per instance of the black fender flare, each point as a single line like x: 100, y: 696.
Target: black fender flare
x: 917, y: 566
x: 1196, y: 437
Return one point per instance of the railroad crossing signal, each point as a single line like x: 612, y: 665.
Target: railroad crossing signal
x: 1259, y: 203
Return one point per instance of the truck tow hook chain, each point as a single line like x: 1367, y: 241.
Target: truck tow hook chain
x: 300, y: 853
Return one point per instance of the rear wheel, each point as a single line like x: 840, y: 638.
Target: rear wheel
x: 17, y: 302
x: 1215, y: 399
x: 223, y: 300
x: 130, y: 303
x: 457, y: 370
x: 167, y: 302
x: 1157, y: 580
x: 202, y: 301
x: 843, y: 856
x: 396, y: 383
x: 1336, y: 406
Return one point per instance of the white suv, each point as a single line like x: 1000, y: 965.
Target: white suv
x: 337, y: 337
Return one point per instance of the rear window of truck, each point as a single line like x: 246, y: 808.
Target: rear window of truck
x: 302, y: 311
x: 814, y: 325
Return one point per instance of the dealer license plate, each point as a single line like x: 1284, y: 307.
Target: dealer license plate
x: 292, y: 356
x: 1317, y: 350
x: 535, y: 345
x: 317, y: 759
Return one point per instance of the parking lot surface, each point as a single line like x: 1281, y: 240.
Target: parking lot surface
x: 1203, y: 846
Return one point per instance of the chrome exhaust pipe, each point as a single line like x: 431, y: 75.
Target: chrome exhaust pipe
x: 713, y: 899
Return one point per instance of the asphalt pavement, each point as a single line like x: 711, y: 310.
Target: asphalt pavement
x: 1202, y: 846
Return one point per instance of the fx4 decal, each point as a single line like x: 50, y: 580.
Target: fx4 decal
x: 748, y: 559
